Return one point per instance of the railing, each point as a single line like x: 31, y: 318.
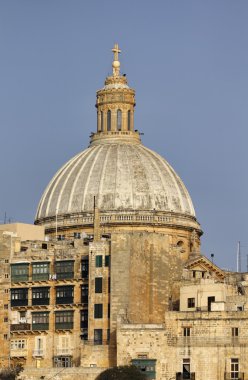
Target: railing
x: 64, y: 300
x: 234, y: 375
x: 141, y: 217
x: 21, y: 302
x: 65, y: 275
x: 18, y: 352
x: 40, y: 326
x: 185, y: 375
x: 64, y: 326
x: 98, y: 342
x: 40, y: 276
x: 19, y: 278
x: 40, y: 301
x: 39, y: 352
x: 20, y: 327
x: 63, y: 351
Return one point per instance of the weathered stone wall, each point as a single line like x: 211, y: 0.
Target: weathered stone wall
x: 210, y: 346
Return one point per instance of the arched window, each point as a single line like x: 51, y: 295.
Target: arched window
x: 129, y: 120
x: 119, y: 117
x: 109, y: 120
x: 101, y: 121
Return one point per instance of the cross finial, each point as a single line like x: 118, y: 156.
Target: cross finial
x: 116, y: 51
x: 116, y: 64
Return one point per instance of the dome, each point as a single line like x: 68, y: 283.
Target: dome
x: 122, y: 176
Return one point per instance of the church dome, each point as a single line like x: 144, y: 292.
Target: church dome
x: 122, y: 176
x: 117, y: 174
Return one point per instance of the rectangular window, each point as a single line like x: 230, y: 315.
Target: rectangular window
x: 40, y: 321
x: 235, y: 331
x: 40, y: 296
x: 64, y: 294
x: 19, y: 272
x: 19, y: 297
x: 186, y: 368
x: 98, y: 285
x: 64, y: 320
x: 108, y: 335
x: 98, y: 261
x: 234, y: 368
x: 191, y: 302
x: 98, y: 310
x: 6, y: 306
x: 210, y: 300
x: 5, y: 319
x: 186, y: 331
x: 18, y: 344
x: 84, y: 319
x: 62, y: 361
x: 84, y: 293
x: 85, y: 267
x: 40, y: 271
x: 108, y: 310
x: 64, y: 269
x: 107, y: 261
x: 98, y: 336
x: 77, y: 235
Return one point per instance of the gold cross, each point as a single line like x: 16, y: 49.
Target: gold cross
x: 116, y: 51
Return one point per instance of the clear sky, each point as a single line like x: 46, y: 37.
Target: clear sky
x: 187, y: 60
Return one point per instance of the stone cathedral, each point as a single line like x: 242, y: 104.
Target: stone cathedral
x: 112, y: 273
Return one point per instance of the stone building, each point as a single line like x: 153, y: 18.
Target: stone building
x: 118, y: 276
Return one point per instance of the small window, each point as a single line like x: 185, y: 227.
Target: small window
x: 109, y: 311
x: 6, y: 261
x: 98, y: 261
x: 186, y: 331
x: 109, y: 284
x: 98, y: 285
x: 129, y: 120
x: 5, y: 336
x: 191, y: 302
x: 43, y: 246
x: 6, y: 306
x: 98, y: 311
x: 6, y: 290
x: 61, y: 237
x: 5, y: 319
x: 6, y: 275
x: 119, y: 120
x: 101, y: 121
x: 235, y: 368
x: 235, y: 331
x: 240, y: 308
x: 77, y: 235
x: 107, y: 261
x: 98, y: 336
x: 109, y: 120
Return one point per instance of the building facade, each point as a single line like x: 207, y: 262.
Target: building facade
x: 117, y: 277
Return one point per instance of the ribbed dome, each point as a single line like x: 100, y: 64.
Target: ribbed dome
x: 122, y: 176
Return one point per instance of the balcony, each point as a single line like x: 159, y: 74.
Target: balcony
x: 38, y: 353
x: 40, y: 326
x: 64, y: 300
x: 63, y: 352
x: 64, y: 325
x: 20, y: 327
x: 18, y: 353
x: 40, y: 301
x: 40, y: 276
x: 234, y: 375
x: 19, y: 302
x: 185, y: 375
x: 19, y: 277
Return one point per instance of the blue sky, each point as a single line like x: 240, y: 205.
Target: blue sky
x: 187, y: 60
